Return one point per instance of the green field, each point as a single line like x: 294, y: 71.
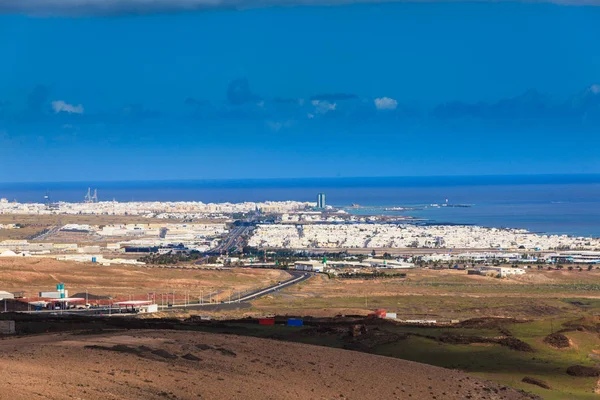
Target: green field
x: 508, y: 366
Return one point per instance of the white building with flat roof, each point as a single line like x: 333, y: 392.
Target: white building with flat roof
x: 310, y: 266
x: 504, y: 271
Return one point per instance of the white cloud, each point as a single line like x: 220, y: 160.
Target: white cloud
x: 278, y: 125
x: 386, y: 103
x: 323, y: 106
x: 61, y: 106
x: 112, y: 7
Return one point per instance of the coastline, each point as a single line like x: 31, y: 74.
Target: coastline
x: 554, y: 204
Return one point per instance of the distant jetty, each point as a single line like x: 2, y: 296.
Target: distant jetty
x: 450, y: 205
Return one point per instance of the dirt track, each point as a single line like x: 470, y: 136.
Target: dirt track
x: 151, y: 365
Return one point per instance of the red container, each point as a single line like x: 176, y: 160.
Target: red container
x: 266, y: 321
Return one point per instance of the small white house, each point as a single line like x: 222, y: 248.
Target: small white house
x: 504, y: 271
x: 150, y: 308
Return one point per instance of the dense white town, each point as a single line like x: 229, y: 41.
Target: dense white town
x: 269, y: 225
x: 363, y: 235
x: 177, y: 209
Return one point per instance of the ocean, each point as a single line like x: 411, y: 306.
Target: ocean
x: 557, y: 204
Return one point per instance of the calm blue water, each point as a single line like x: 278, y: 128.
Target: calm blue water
x: 552, y: 203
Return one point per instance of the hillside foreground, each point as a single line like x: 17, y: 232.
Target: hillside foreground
x: 183, y: 365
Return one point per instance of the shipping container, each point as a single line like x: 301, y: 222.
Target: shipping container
x: 295, y: 322
x: 390, y: 315
x: 266, y: 321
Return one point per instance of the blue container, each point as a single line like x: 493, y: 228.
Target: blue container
x: 295, y: 322
x: 93, y: 259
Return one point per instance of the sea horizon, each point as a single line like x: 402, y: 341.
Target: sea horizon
x: 550, y: 203
x: 484, y: 179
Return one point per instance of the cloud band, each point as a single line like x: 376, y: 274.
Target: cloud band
x: 118, y: 7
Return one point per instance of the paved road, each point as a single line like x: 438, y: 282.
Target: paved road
x: 231, y: 241
x: 44, y: 235
x: 233, y: 238
x: 297, y: 277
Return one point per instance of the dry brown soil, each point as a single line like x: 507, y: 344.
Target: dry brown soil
x: 33, y: 275
x: 151, y: 365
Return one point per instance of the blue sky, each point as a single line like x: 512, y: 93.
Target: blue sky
x: 375, y: 89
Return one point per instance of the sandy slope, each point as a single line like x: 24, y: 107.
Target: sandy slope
x: 33, y: 274
x: 60, y: 366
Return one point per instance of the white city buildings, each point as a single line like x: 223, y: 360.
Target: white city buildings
x: 177, y: 209
x: 362, y: 235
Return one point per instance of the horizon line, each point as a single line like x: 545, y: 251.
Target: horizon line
x: 329, y: 178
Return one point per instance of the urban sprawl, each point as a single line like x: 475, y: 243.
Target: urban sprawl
x: 267, y: 226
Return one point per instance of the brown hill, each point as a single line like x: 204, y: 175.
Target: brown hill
x: 184, y: 365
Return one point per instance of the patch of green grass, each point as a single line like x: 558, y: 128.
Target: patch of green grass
x: 500, y: 363
x: 444, y: 308
x: 583, y: 303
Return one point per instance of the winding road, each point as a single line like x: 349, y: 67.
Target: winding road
x: 297, y: 277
